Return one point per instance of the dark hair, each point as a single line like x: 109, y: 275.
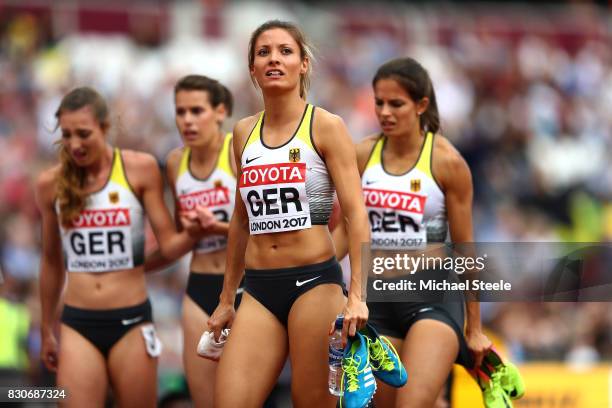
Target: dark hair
x: 416, y: 82
x: 228, y: 99
x: 300, y: 39
x: 217, y: 92
x: 71, y: 181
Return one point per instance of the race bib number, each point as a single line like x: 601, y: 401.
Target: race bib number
x: 100, y: 241
x: 396, y: 219
x: 275, y: 197
x: 218, y: 201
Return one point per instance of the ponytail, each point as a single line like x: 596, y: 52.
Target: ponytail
x: 430, y: 119
x: 70, y: 193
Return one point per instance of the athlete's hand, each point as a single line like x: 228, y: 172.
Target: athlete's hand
x: 191, y: 224
x: 222, y: 318
x: 355, y: 317
x: 206, y: 217
x: 48, y: 352
x: 479, y: 345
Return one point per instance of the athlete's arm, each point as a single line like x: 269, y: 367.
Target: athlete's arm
x: 155, y: 261
x: 52, y: 273
x: 238, y: 236
x: 336, y: 147
x: 456, y: 179
x: 143, y: 167
x: 339, y: 233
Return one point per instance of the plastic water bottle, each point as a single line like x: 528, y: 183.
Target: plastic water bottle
x: 336, y: 353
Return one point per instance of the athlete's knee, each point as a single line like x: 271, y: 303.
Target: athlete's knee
x: 230, y: 399
x: 229, y: 394
x: 421, y: 397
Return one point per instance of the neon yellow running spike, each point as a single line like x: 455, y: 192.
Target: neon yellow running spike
x: 493, y: 394
x: 509, y: 376
x: 384, y: 359
x: 378, y: 357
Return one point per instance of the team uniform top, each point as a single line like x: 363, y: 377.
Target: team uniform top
x: 108, y: 234
x: 216, y: 192
x: 285, y: 188
x: 405, y: 211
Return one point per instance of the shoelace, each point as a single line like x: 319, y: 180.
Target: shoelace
x: 496, y: 377
x: 494, y: 393
x: 493, y: 380
x: 350, y: 366
x: 502, y: 370
x: 489, y: 388
x: 379, y: 355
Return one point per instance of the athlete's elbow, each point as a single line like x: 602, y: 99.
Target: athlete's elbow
x: 356, y: 217
x: 171, y: 251
x: 239, y: 222
x: 171, y: 254
x: 51, y: 270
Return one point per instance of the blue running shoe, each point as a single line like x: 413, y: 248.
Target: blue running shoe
x: 386, y: 363
x: 358, y: 382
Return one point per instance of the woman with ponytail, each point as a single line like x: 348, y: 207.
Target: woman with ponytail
x: 93, y: 205
x: 410, y: 158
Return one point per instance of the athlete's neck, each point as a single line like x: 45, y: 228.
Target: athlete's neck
x: 404, y: 145
x: 100, y: 168
x: 283, y: 108
x: 209, y: 150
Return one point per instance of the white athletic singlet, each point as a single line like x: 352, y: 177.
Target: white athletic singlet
x: 405, y: 211
x: 217, y: 192
x: 285, y: 188
x: 108, y: 235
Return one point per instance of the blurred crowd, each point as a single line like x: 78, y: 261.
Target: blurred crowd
x: 524, y: 93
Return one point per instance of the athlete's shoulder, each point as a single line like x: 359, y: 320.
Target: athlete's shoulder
x: 364, y: 149
x: 446, y: 152
x: 46, y: 183
x: 329, y: 134
x: 173, y: 158
x: 242, y: 130
x: 365, y: 145
x: 331, y: 126
x: 137, y: 159
x: 243, y: 127
x: 48, y: 176
x: 325, y: 120
x: 140, y: 168
x: 448, y: 164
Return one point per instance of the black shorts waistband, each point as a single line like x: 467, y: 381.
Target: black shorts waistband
x: 291, y: 271
x: 108, y: 316
x: 205, y: 277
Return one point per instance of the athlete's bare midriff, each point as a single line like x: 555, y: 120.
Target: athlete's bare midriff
x: 106, y: 290
x: 211, y: 262
x: 289, y: 249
